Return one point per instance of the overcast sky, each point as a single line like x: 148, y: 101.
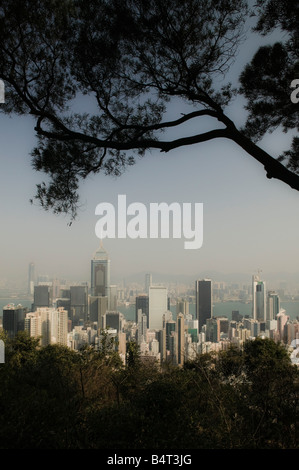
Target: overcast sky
x: 249, y: 222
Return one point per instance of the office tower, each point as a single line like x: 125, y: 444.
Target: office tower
x: 65, y: 303
x: 161, y: 336
x: 98, y: 306
x: 141, y: 326
x: 112, y: 297
x: 113, y: 320
x: 258, y: 298
x: 157, y: 306
x: 142, y: 303
x: 204, y: 301
x: 180, y: 340
x: 212, y: 330
x: 78, y: 304
x: 56, y: 288
x: 236, y: 316
x: 13, y: 319
x: 31, y: 278
x: 100, y: 273
x: 273, y: 305
x: 148, y: 282
x: 223, y: 325
x: 42, y: 296
x: 169, y: 328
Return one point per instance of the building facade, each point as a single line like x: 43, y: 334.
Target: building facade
x: 204, y: 301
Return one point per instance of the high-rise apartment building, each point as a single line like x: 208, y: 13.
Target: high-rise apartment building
x: 282, y: 319
x: 204, y: 301
x: 157, y: 306
x: 258, y: 298
x: 49, y: 324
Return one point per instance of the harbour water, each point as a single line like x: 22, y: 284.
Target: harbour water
x: 222, y: 309
x: 219, y: 308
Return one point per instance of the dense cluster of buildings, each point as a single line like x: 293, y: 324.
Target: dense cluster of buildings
x: 79, y: 315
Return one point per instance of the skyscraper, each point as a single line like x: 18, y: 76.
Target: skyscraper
x: 204, y: 301
x: 113, y: 320
x: 142, y: 303
x: 98, y: 306
x: 148, y: 282
x: 180, y: 340
x: 157, y: 306
x: 112, y: 297
x: 258, y: 298
x: 48, y: 324
x: 273, y: 305
x: 13, y: 319
x: 141, y: 326
x: 100, y: 273
x: 31, y: 278
x: 42, y: 296
x: 182, y: 306
x: 78, y: 303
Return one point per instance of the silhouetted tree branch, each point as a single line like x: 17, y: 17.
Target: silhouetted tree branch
x: 132, y: 59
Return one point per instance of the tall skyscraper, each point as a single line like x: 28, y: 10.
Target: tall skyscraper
x: 31, y: 278
x: 13, y: 319
x: 157, y: 306
x: 112, y: 297
x: 204, y: 301
x: 148, y: 282
x: 141, y: 326
x: 78, y: 303
x: 100, y: 273
x: 258, y: 298
x: 180, y: 340
x: 98, y: 306
x: 142, y: 303
x: 273, y: 305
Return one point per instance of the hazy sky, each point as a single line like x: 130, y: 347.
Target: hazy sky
x: 249, y: 222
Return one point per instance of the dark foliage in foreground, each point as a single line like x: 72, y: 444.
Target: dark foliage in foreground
x: 55, y: 398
